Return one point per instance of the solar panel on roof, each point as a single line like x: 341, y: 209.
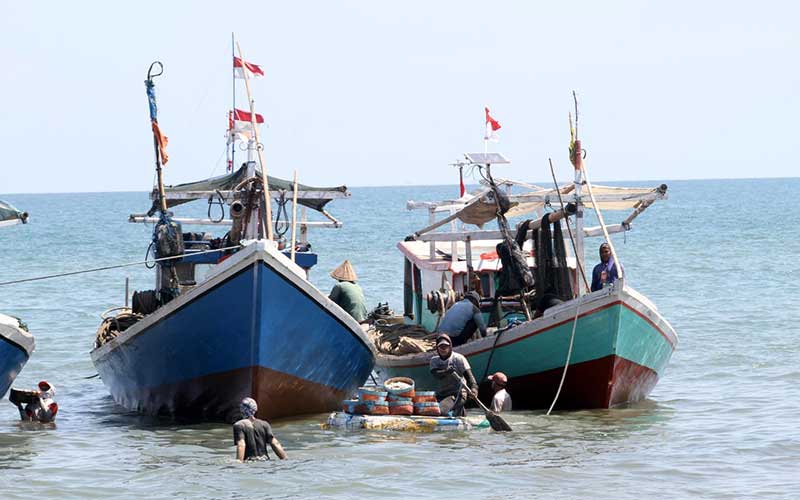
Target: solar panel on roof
x: 484, y: 158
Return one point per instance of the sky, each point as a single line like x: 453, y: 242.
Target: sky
x: 368, y: 93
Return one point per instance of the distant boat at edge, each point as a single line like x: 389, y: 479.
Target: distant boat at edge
x: 16, y: 343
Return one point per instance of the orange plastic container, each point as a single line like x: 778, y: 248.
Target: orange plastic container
x: 378, y: 408
x: 349, y: 405
x: 425, y: 397
x: 399, y: 387
x: 371, y: 394
x: 427, y: 409
x: 404, y: 406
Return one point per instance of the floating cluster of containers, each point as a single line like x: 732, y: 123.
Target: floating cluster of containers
x: 397, y: 397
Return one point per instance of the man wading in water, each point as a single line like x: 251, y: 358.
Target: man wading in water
x: 252, y: 435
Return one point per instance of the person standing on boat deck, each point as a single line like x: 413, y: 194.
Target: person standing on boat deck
x: 501, y: 401
x: 252, y: 435
x: 450, y: 368
x: 44, y: 408
x: 606, y: 270
x: 463, y: 319
x: 347, y: 294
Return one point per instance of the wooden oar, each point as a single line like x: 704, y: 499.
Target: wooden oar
x: 495, y: 420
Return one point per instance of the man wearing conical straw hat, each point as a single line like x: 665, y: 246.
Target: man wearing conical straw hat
x: 347, y: 294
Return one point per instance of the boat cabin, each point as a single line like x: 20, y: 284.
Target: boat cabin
x: 448, y: 269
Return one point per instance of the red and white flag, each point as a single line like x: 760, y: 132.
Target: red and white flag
x: 492, y: 126
x: 253, y: 70
x: 240, y: 125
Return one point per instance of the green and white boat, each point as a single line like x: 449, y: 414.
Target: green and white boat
x: 598, y: 349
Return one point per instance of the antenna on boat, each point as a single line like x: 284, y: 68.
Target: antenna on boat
x: 230, y: 118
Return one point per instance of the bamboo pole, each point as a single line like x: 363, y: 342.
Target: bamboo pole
x: 596, y: 207
x: 451, y: 217
x: 151, y: 97
x: 553, y: 217
x: 294, y: 216
x: 641, y: 207
x: 267, y: 201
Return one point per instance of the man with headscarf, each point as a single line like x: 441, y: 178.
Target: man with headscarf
x: 43, y: 408
x: 606, y: 271
x: 455, y: 377
x: 251, y: 435
x: 347, y: 294
x: 463, y: 319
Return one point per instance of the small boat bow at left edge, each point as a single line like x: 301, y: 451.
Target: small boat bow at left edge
x: 16, y: 347
x: 16, y: 343
x: 232, y: 316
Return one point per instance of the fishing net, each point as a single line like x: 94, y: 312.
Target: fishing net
x: 401, y: 339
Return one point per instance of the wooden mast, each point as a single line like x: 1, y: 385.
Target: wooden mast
x: 575, y: 156
x: 580, y: 169
x: 157, y: 146
x: 264, y: 177
x: 294, y: 217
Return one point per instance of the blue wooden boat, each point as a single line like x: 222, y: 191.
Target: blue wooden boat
x: 256, y: 327
x: 16, y: 344
x: 232, y: 316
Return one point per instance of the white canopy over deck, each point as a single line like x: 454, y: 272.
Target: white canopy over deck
x: 484, y: 256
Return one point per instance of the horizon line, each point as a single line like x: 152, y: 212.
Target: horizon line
x: 436, y: 185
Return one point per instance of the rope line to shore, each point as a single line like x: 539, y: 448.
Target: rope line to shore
x: 117, y: 266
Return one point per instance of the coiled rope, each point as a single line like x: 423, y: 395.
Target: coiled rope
x: 439, y: 301
x: 117, y: 266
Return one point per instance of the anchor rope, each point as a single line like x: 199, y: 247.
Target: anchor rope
x: 569, y: 354
x: 117, y: 266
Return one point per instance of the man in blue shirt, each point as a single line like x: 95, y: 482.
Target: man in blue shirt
x: 606, y: 270
x: 463, y: 319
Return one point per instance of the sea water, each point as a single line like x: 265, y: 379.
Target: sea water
x: 718, y: 259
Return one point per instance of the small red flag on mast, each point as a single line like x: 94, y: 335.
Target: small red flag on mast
x: 253, y: 70
x: 240, y: 125
x: 492, y: 126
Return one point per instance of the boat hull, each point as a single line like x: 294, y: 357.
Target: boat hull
x: 16, y: 347
x: 254, y: 329
x: 622, y: 346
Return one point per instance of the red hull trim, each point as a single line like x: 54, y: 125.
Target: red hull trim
x: 601, y: 383
x: 216, y: 397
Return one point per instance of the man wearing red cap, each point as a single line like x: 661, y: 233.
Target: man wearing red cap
x: 43, y: 408
x: 501, y: 400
